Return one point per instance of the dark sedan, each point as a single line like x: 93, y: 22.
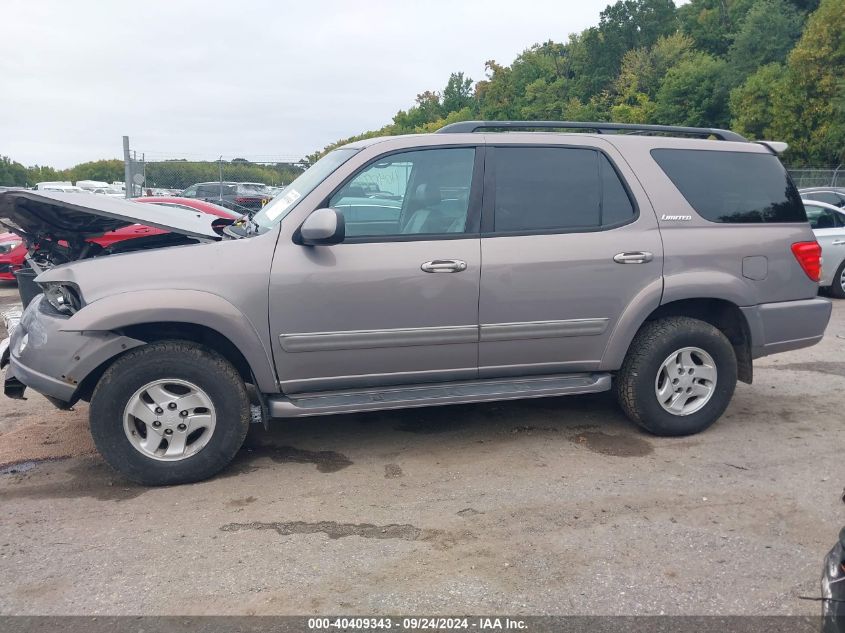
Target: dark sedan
x: 232, y: 195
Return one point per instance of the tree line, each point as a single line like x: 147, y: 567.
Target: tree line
x: 769, y: 69
x: 169, y: 174
x: 179, y: 174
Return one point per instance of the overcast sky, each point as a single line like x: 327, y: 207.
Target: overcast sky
x: 251, y: 78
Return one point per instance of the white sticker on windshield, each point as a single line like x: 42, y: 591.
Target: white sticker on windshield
x: 278, y: 207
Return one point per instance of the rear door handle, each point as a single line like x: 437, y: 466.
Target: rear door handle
x: 633, y: 257
x: 838, y: 242
x: 444, y: 266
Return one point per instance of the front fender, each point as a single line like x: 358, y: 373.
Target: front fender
x: 181, y: 306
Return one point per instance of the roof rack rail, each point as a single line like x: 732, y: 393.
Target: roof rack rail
x: 597, y: 127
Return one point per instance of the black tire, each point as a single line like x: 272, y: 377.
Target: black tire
x: 657, y: 340
x: 836, y: 288
x: 181, y: 360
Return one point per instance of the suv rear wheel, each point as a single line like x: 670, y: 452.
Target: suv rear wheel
x: 678, y: 377
x: 169, y: 413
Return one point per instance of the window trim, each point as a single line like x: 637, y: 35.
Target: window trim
x: 473, y: 206
x: 489, y: 201
x: 726, y: 151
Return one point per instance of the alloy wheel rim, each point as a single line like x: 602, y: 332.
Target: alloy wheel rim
x: 842, y: 279
x: 169, y: 419
x: 686, y: 381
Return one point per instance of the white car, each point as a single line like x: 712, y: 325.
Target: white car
x: 64, y: 189
x: 828, y: 222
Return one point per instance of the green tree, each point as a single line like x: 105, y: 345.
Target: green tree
x: 641, y: 74
x: 805, y: 112
x: 767, y: 34
x: 839, y: 100
x: 42, y: 173
x: 427, y: 109
x: 712, y: 24
x: 805, y: 6
x: 12, y: 173
x: 457, y: 94
x: 636, y: 109
x: 644, y: 68
x: 596, y: 55
x: 694, y: 92
x: 102, y: 170
x: 504, y: 94
x: 752, y: 103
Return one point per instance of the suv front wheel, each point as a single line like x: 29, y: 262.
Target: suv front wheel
x: 169, y: 413
x: 678, y: 377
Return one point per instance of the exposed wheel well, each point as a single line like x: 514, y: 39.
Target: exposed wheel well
x: 725, y: 316
x: 160, y: 331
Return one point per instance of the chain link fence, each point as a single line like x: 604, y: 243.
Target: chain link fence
x: 241, y: 183
x: 809, y: 177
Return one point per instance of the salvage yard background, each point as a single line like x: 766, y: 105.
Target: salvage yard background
x: 541, y: 506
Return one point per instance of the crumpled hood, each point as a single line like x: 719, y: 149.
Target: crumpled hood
x: 70, y: 216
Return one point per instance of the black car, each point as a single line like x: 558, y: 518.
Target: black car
x: 232, y: 195
x: 833, y: 588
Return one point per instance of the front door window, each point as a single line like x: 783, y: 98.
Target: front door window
x: 424, y: 192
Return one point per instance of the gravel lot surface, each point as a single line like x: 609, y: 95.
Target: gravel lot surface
x: 551, y: 506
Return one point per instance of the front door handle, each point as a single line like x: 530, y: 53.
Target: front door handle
x: 633, y: 257
x: 444, y: 266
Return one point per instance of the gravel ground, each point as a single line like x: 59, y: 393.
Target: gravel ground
x: 551, y: 506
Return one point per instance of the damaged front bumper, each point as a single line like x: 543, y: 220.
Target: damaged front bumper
x: 49, y: 357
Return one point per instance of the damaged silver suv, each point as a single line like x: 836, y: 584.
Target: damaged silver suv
x: 462, y: 266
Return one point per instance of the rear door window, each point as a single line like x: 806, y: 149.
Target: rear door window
x: 556, y: 189
x: 822, y: 218
x: 733, y: 187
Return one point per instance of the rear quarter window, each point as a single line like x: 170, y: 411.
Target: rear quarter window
x: 733, y: 187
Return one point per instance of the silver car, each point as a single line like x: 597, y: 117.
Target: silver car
x: 454, y: 267
x: 828, y: 222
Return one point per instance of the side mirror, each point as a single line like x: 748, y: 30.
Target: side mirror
x: 323, y: 226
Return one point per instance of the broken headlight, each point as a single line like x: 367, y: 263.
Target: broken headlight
x: 62, y: 296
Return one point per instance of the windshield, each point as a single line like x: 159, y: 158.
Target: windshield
x: 281, y: 205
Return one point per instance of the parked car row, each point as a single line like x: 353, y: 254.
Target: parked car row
x: 242, y: 197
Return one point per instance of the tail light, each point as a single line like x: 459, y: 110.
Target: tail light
x: 809, y: 255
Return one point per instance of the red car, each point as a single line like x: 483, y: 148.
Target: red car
x: 13, y: 251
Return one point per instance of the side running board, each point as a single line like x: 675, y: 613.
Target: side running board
x: 350, y: 401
